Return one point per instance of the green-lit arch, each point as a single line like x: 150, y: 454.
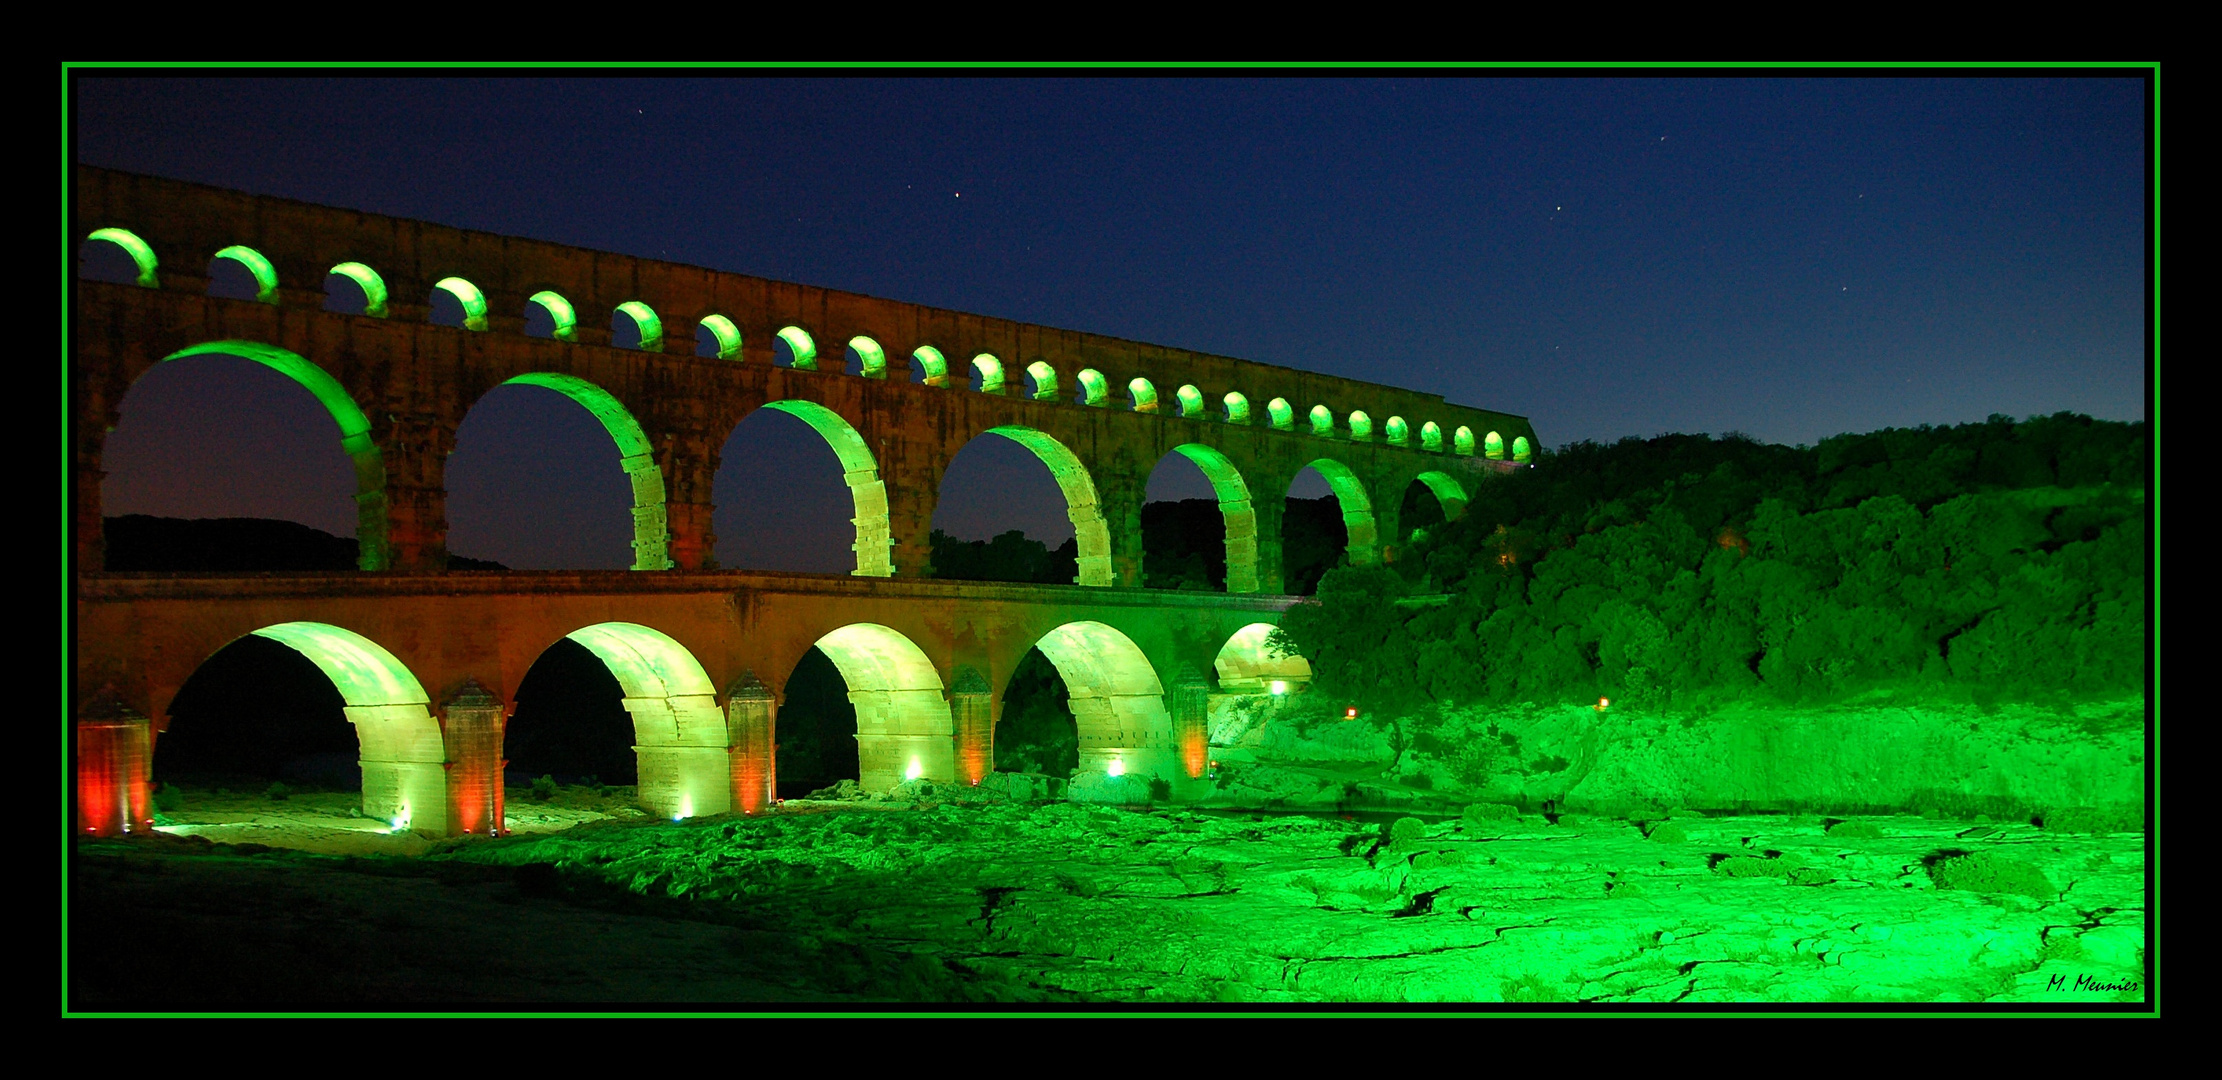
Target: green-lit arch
x: 142, y: 256
x: 867, y: 492
x: 1462, y: 441
x: 934, y: 365
x: 871, y: 359
x: 1492, y: 445
x: 1361, y: 426
x: 902, y: 718
x: 266, y: 275
x: 1246, y: 664
x: 1431, y: 436
x: 399, y: 742
x: 1191, y: 401
x: 727, y: 335
x: 354, y: 435
x: 987, y: 371
x: 366, y: 279
x: 1357, y: 510
x: 1398, y: 431
x: 1281, y: 414
x: 645, y: 319
x: 560, y: 311
x: 1521, y: 451
x: 1142, y: 394
x: 800, y: 347
x: 1235, y: 511
x: 1449, y: 493
x: 1045, y: 380
x: 1117, y: 701
x: 1323, y: 421
x: 1082, y: 506
x: 651, y: 533
x: 679, y: 732
x: 1238, y: 408
x: 467, y: 294
x: 1094, y: 388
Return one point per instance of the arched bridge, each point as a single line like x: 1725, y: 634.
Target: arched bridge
x: 399, y: 326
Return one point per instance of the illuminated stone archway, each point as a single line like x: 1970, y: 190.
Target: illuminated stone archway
x: 1247, y: 666
x: 679, y: 732
x: 1363, y: 544
x: 400, y: 746
x: 354, y: 435
x: 1449, y: 493
x: 1091, y: 534
x: 651, y: 531
x: 902, y: 718
x: 875, y: 537
x: 1117, y: 701
x: 1235, y: 511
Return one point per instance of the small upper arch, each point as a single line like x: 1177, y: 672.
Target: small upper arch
x: 1094, y: 388
x: 1142, y: 394
x: 1281, y: 413
x: 1191, y: 401
x: 265, y: 275
x: 366, y: 279
x: 644, y: 320
x: 1361, y: 426
x: 1238, y: 408
x: 1323, y: 421
x: 931, y: 367
x: 561, y: 314
x: 725, y: 338
x: 142, y: 256
x: 801, y: 348
x: 871, y: 360
x: 1462, y: 441
x: 987, y: 374
x: 466, y: 294
x: 1521, y: 451
x: 1492, y: 445
x: 1431, y: 436
x: 1045, y: 380
x: 1399, y: 433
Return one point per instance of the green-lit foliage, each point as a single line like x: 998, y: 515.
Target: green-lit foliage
x: 1280, y: 414
x: 645, y: 319
x: 651, y: 539
x: 1520, y: 449
x: 987, y: 374
x: 1667, y: 832
x: 1323, y: 421
x: 1094, y: 388
x: 373, y: 286
x: 1045, y: 380
x: 1854, y: 830
x: 466, y: 294
x: 1398, y: 432
x: 560, y: 312
x: 1142, y: 394
x: 142, y: 256
x: 802, y: 351
x: 932, y: 366
x: 871, y: 359
x: 266, y: 275
x: 1985, y: 871
x: 1988, y: 559
x: 1238, y: 408
x: 1431, y: 436
x: 1361, y: 426
x: 1008, y: 557
x: 1462, y: 441
x: 1191, y: 401
x: 728, y: 336
x: 1493, y: 446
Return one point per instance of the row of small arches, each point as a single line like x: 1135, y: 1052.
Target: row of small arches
x: 721, y: 338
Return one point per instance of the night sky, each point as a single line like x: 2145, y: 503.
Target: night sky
x: 1790, y: 258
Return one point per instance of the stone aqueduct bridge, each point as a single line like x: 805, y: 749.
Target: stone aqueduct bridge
x: 1099, y: 412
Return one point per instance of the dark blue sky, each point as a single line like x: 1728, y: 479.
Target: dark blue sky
x: 1791, y: 258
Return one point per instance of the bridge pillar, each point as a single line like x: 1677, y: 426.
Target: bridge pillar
x: 902, y: 735
x: 115, y: 749
x: 751, y: 716
x: 1270, y: 512
x: 1122, y: 517
x: 690, y: 465
x: 414, y: 450
x: 471, y: 724
x: 972, y: 714
x: 684, y: 750
x: 911, y: 493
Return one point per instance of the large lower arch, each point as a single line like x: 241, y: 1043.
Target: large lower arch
x: 678, y: 730
x: 354, y: 436
x: 1117, y: 701
x: 402, y: 754
x: 1357, y: 510
x: 1092, y: 535
x: 1448, y: 492
x: 1235, y: 510
x: 903, y: 730
x: 1246, y: 665
x: 875, y: 538
x: 651, y: 532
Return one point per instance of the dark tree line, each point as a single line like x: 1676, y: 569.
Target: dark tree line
x: 1990, y: 560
